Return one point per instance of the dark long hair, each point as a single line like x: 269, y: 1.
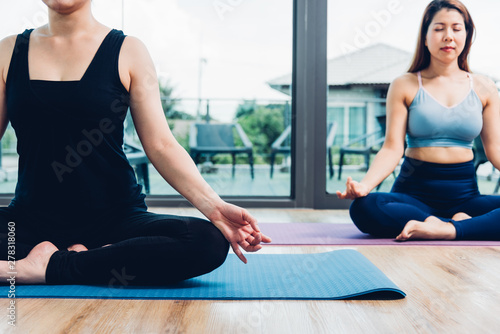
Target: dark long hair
x: 422, y: 57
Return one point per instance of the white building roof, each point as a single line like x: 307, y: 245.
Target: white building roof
x: 375, y: 64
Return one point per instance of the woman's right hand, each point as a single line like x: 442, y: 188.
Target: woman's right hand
x: 353, y: 190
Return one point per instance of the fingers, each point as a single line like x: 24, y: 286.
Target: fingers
x: 341, y: 195
x: 266, y: 239
x: 237, y: 251
x: 353, y: 190
x: 258, y: 238
x: 246, y: 247
x: 255, y: 238
x: 350, y: 190
x: 253, y: 248
x: 250, y: 244
x: 256, y: 234
x: 251, y: 220
x: 347, y: 194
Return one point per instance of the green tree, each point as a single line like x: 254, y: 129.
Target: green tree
x: 262, y: 124
x: 169, y: 102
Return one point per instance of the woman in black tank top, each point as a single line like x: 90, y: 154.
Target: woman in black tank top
x: 79, y: 214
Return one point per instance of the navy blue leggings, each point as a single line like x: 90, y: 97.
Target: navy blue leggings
x: 147, y: 248
x: 425, y: 189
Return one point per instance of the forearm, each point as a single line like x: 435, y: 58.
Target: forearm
x: 495, y: 160
x: 383, y: 165
x: 492, y: 150
x: 177, y: 168
x: 174, y: 164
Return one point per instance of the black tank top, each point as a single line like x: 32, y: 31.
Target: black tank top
x: 70, y: 136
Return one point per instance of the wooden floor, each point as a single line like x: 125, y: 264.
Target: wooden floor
x: 449, y: 290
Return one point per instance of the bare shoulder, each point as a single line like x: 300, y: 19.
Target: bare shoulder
x: 134, y: 56
x: 406, y: 80
x: 484, y: 87
x: 135, y: 62
x: 6, y: 49
x: 132, y: 48
x: 7, y: 45
x: 404, y: 87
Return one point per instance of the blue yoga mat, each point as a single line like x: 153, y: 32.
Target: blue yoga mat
x: 339, y: 274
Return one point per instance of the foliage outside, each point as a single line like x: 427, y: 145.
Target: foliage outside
x: 263, y: 125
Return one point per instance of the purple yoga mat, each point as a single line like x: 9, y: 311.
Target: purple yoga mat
x: 344, y: 234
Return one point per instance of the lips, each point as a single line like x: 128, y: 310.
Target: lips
x: 448, y: 48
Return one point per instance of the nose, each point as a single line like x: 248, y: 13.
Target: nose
x: 448, y: 36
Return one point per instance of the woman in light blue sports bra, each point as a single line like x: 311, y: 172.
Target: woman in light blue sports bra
x: 439, y: 107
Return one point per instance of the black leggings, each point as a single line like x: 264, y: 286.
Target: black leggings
x: 423, y: 189
x: 147, y: 249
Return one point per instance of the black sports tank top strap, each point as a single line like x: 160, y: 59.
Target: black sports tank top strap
x: 19, y: 60
x: 105, y: 61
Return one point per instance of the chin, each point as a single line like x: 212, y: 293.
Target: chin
x: 65, y: 6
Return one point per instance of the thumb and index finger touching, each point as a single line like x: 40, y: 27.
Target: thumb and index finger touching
x: 348, y: 191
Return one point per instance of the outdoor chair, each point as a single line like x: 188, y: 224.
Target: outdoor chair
x: 138, y: 159
x: 480, y: 158
x: 479, y: 154
x: 208, y: 139
x: 364, y: 145
x: 282, y: 146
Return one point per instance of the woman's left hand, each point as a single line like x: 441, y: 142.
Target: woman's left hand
x: 239, y: 228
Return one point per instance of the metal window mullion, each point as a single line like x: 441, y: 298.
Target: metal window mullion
x: 310, y: 96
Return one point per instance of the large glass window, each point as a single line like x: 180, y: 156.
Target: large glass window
x: 231, y: 62
x: 216, y: 61
x: 370, y: 43
x: 224, y: 74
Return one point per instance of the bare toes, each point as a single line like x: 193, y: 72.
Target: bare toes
x: 460, y: 216
x: 407, y: 230
x: 77, y: 248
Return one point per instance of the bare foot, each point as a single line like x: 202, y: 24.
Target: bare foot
x: 431, y: 228
x: 77, y: 248
x: 31, y: 269
x: 460, y: 216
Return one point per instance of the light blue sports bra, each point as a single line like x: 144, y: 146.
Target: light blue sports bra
x: 431, y: 124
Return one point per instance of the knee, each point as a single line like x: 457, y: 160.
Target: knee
x: 219, y: 246
x: 362, y: 212
x: 212, y: 246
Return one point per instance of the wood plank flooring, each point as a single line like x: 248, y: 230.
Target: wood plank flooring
x: 449, y: 290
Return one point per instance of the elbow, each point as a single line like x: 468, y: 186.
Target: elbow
x: 492, y: 153
x: 395, y: 150
x: 400, y: 152
x: 155, y: 148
